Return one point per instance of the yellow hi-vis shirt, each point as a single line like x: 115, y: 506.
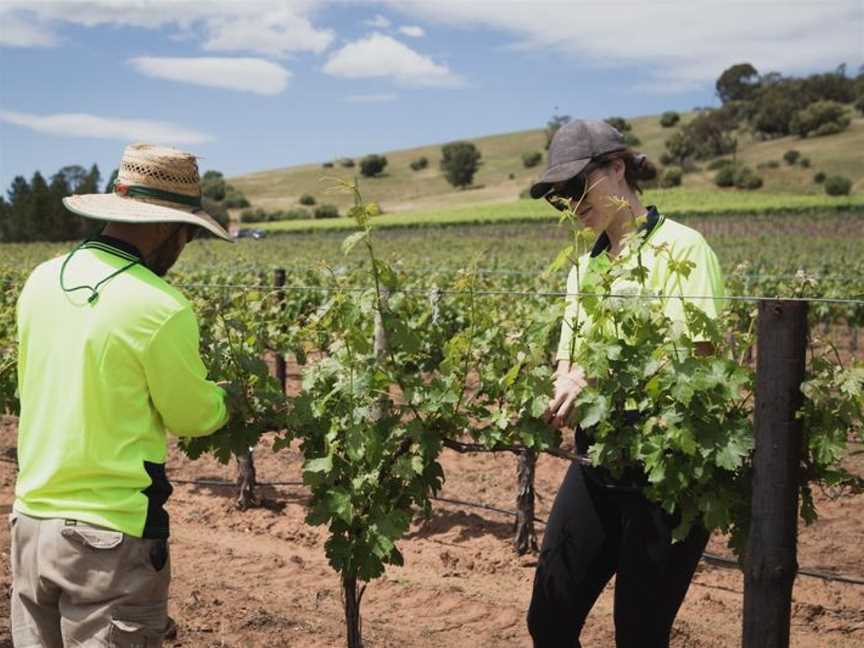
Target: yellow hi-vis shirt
x: 682, y: 242
x: 100, y: 383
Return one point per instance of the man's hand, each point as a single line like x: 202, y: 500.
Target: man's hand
x: 569, y: 381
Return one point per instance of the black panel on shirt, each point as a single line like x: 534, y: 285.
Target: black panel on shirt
x: 602, y: 244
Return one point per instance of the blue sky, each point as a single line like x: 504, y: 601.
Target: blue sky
x: 259, y: 84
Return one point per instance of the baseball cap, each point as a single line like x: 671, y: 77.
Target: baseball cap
x: 574, y: 145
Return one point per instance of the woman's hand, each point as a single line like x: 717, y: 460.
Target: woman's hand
x: 569, y: 382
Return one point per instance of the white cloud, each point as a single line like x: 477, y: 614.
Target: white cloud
x: 684, y: 43
x: 92, y: 126
x: 378, y: 22
x: 381, y: 56
x: 16, y: 32
x: 413, y: 31
x: 272, y: 27
x: 244, y: 74
x: 372, y: 98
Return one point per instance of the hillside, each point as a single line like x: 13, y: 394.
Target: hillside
x: 400, y: 189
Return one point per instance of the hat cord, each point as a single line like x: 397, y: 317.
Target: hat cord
x: 94, y: 290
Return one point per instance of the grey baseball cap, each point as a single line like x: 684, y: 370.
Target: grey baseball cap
x: 573, y: 147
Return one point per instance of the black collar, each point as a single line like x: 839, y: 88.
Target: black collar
x: 603, y: 244
x: 116, y: 243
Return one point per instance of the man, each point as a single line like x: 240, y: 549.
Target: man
x: 108, y: 362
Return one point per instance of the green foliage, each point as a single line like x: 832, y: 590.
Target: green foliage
x: 217, y: 211
x: 819, y: 177
x: 804, y: 162
x: 326, y: 211
x: 326, y: 165
x: 666, y: 158
x: 671, y: 177
x: 234, y: 198
x: 372, y: 165
x: 725, y: 177
x: 769, y: 164
x: 739, y: 82
x: 346, y: 162
x: 747, y: 178
x: 459, y: 162
x: 838, y: 185
x: 213, y: 185
x: 820, y: 118
x: 307, y: 199
x: 620, y: 124
x: 709, y: 135
x: 791, y: 156
x: 531, y: 159
x: 552, y: 126
x: 420, y: 163
x: 669, y: 119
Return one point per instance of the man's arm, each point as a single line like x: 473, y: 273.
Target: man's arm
x: 190, y: 405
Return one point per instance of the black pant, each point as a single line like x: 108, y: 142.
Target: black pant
x: 595, y: 531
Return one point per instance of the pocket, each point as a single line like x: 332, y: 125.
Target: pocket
x: 138, y: 626
x: 92, y: 537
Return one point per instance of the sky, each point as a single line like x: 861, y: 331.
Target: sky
x: 250, y: 85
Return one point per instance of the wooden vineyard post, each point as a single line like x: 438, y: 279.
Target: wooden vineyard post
x: 526, y: 537
x: 279, y: 283
x: 771, y: 558
x: 246, y: 481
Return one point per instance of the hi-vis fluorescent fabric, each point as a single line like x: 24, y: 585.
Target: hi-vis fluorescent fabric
x: 681, y: 242
x: 101, y: 381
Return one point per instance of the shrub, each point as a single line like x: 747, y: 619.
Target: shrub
x: 838, y: 186
x: 372, y: 165
x: 819, y: 177
x: 820, y: 118
x: 666, y: 159
x: 804, y: 162
x: 631, y: 140
x: 420, y: 163
x: 669, y: 118
x: 346, y: 162
x: 253, y: 216
x: 234, y: 198
x: 791, y: 156
x: 459, y: 162
x: 620, y: 123
x: 671, y: 177
x: 747, y: 178
x: 531, y: 159
x: 307, y: 199
x: 725, y: 177
x: 297, y: 213
x: 327, y: 165
x: 327, y: 211
x: 511, y: 176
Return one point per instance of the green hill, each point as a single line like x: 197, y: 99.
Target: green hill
x: 502, y: 176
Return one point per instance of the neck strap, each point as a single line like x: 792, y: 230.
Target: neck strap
x: 94, y: 290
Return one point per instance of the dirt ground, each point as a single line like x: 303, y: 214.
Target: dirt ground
x: 260, y: 579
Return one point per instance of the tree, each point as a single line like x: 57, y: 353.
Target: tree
x: 213, y: 185
x: 459, y: 162
x: 372, y: 165
x: 820, y: 118
x: 619, y: 123
x: 669, y: 118
x: 738, y: 82
x: 553, y: 125
x: 109, y: 188
x: 709, y: 135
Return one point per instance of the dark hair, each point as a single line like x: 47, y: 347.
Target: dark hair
x: 637, y: 166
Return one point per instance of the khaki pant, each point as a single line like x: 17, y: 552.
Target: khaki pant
x: 75, y: 584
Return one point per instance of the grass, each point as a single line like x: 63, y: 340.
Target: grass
x: 502, y: 175
x: 675, y: 203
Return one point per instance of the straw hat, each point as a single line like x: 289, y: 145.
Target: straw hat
x: 155, y: 184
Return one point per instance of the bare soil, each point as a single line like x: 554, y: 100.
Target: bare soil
x: 259, y: 578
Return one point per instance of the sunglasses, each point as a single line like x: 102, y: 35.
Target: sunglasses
x: 575, y: 188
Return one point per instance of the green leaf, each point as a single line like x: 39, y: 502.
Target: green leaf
x: 351, y: 241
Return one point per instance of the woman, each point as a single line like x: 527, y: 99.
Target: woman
x: 600, y: 526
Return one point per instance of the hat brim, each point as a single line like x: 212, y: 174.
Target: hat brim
x: 120, y: 209
x: 557, y: 174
